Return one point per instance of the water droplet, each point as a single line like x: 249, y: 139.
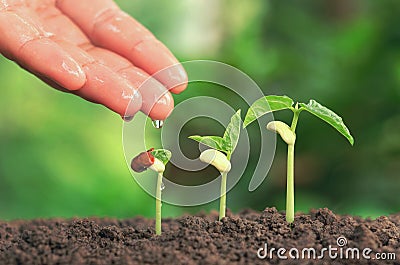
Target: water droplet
x: 162, y: 186
x: 158, y: 124
x: 128, y: 118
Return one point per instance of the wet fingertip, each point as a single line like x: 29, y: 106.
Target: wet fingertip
x: 75, y: 77
x: 181, y: 75
x: 163, y: 108
x: 68, y: 74
x: 134, y: 104
x: 156, y: 115
x: 175, y: 78
x: 158, y: 105
x: 178, y: 89
x: 47, y: 58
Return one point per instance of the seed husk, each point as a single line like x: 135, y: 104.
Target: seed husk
x: 142, y: 161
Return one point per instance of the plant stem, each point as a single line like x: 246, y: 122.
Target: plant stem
x: 296, y: 113
x: 158, y: 204
x: 222, y: 200
x: 290, y: 171
x: 290, y: 185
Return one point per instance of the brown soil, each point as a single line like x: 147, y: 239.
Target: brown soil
x: 195, y: 239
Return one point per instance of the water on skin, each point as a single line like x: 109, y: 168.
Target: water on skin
x: 158, y: 124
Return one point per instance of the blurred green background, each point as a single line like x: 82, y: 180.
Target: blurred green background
x: 61, y: 156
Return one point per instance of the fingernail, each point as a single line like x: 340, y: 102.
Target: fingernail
x: 157, y: 101
x: 153, y: 57
x: 77, y: 77
x: 176, y: 78
x: 135, y: 102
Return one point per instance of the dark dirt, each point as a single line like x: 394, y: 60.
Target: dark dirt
x: 197, y: 239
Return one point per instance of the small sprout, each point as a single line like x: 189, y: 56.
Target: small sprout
x: 215, y: 157
x: 156, y: 161
x: 274, y: 103
x: 158, y: 166
x: 284, y: 130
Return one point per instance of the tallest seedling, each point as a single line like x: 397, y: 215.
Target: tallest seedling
x: 274, y: 103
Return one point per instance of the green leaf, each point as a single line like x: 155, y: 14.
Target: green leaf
x: 328, y: 116
x: 266, y: 105
x: 232, y: 132
x: 215, y: 142
x: 162, y: 154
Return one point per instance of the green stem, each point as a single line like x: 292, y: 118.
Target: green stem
x: 158, y: 204
x: 222, y: 201
x: 290, y: 171
x: 290, y: 185
x: 296, y: 113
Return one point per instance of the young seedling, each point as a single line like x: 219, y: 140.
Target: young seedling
x: 156, y: 161
x: 220, y: 154
x: 274, y: 103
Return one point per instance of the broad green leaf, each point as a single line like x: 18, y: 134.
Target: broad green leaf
x: 162, y: 154
x: 266, y: 105
x: 232, y: 132
x: 328, y: 116
x: 215, y: 142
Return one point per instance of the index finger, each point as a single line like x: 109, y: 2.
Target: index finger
x: 109, y: 27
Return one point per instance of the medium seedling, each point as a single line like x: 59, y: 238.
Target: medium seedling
x: 220, y: 154
x: 274, y: 103
x: 156, y: 161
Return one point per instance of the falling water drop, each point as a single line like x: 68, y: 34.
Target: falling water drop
x: 162, y: 186
x: 158, y: 124
x: 127, y: 118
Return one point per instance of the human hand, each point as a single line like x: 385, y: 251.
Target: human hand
x: 94, y: 50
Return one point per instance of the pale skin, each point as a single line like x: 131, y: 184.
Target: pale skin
x: 94, y: 50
